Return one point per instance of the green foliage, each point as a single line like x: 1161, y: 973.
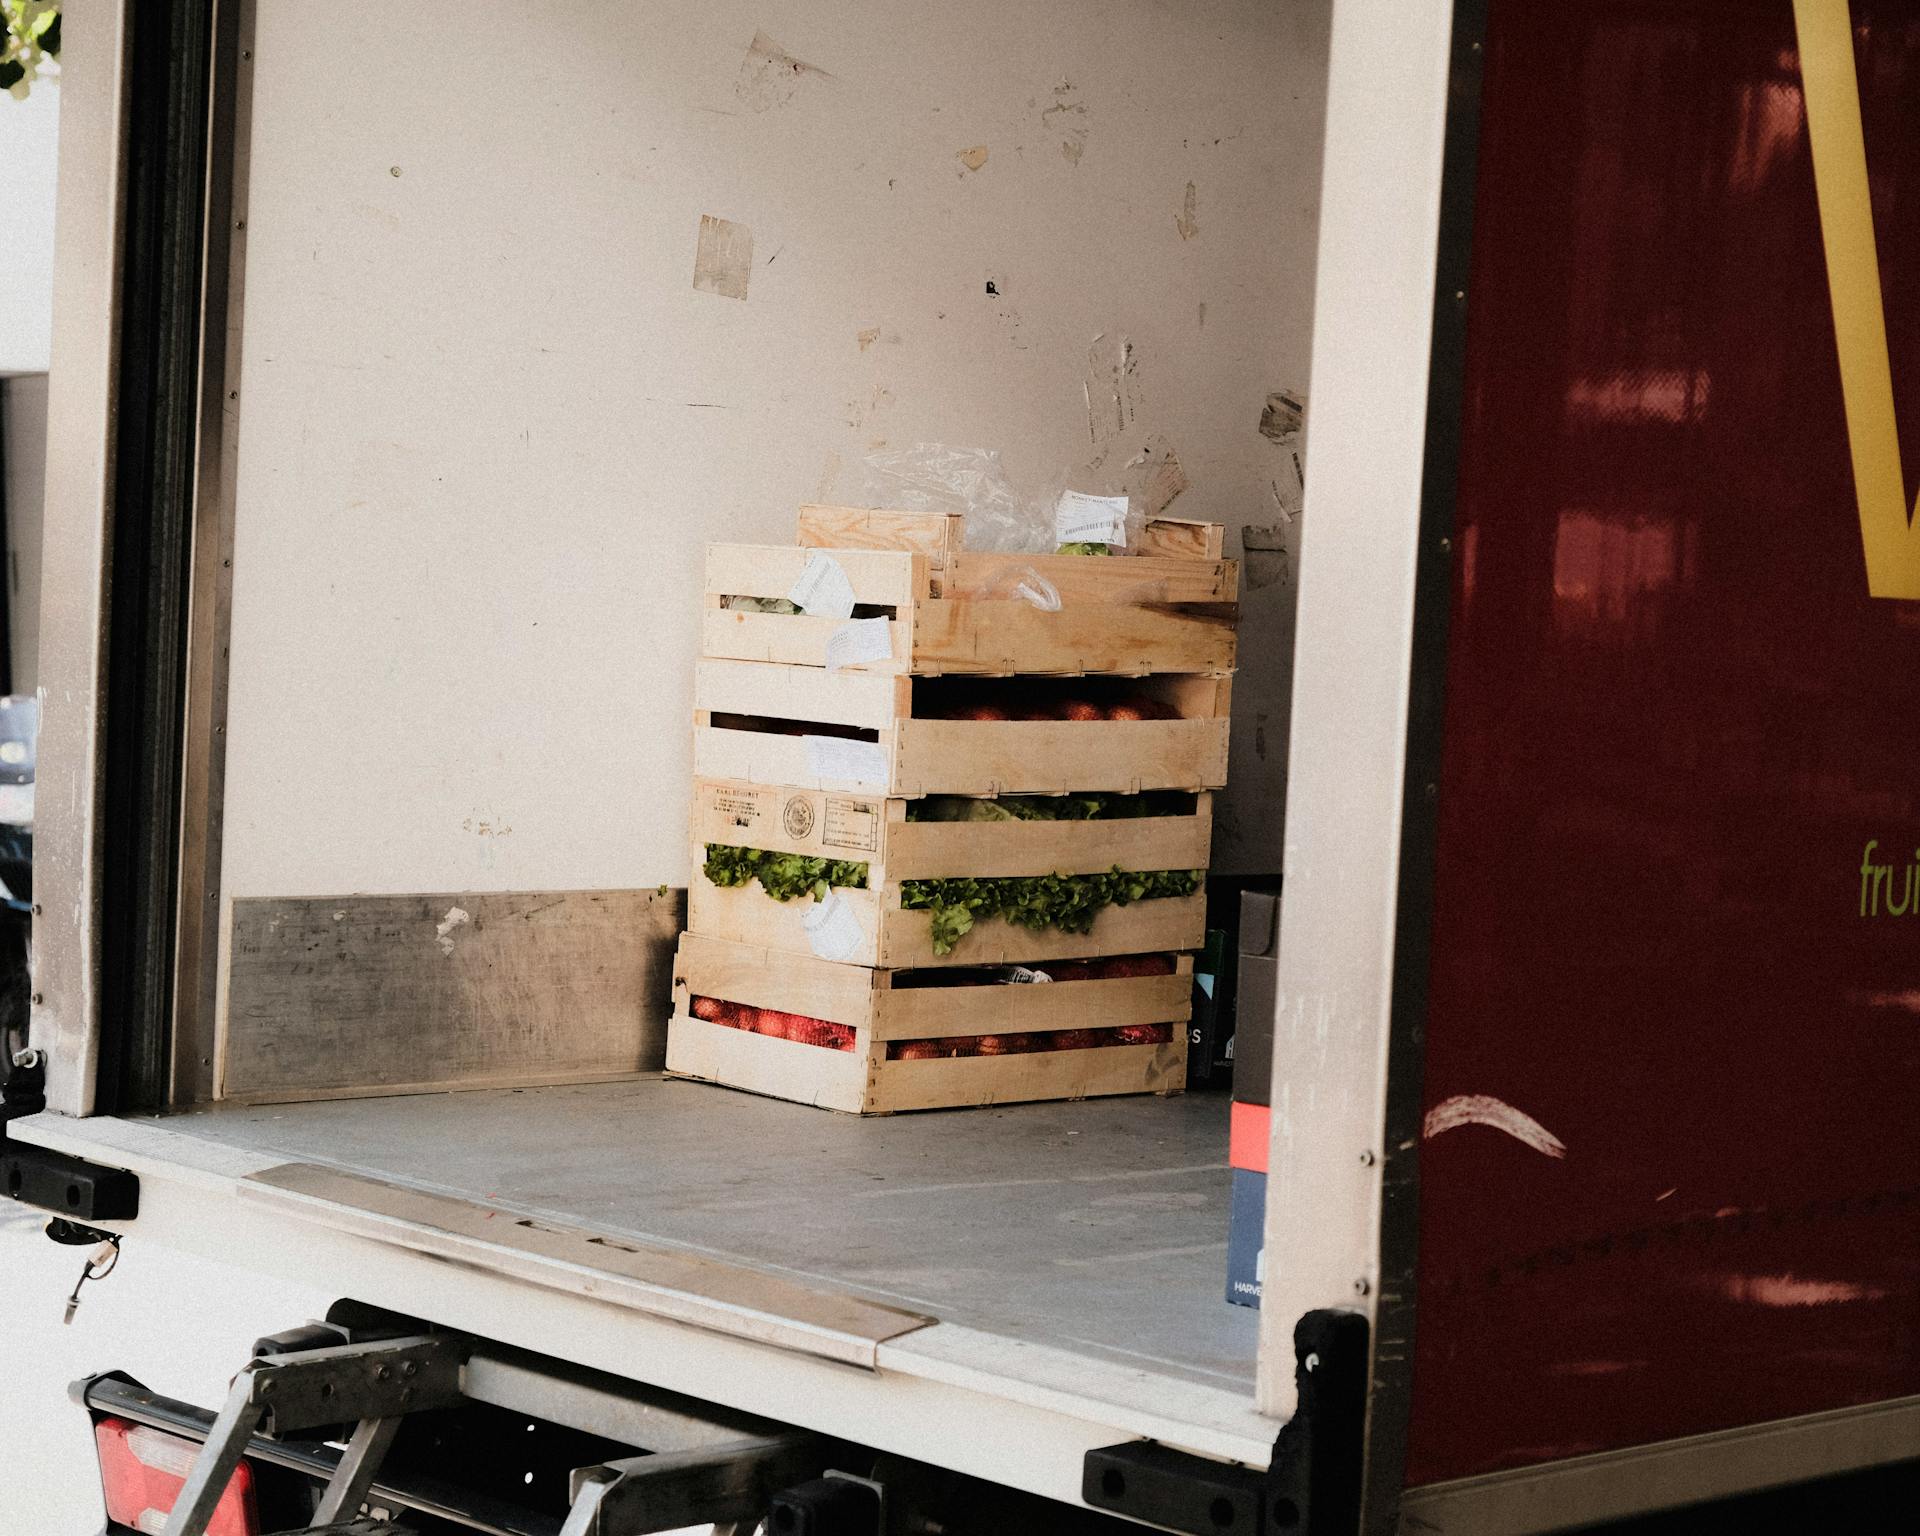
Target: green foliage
x: 782, y: 876
x: 1067, y: 902
x: 32, y: 38
x: 1081, y: 547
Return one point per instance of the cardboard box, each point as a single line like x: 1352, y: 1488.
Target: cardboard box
x: 1246, y: 1235
x: 1249, y: 1123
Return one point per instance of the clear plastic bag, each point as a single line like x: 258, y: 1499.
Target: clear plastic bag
x: 932, y: 477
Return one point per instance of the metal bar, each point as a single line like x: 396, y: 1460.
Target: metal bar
x: 734, y: 1481
x: 584, y: 1516
x: 347, y: 1489
x: 614, y: 1409
x: 213, y: 1467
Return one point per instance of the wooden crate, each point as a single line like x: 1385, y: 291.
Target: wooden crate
x: 879, y: 1009
x: 937, y: 535
x: 1125, y: 616
x: 874, y: 829
x: 771, y: 723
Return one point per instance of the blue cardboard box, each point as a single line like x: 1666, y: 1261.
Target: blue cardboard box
x: 1246, y: 1260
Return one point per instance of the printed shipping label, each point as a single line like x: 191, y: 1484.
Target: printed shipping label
x: 823, y: 589
x: 852, y: 824
x: 861, y: 763
x: 742, y: 808
x: 1083, y: 519
x: 1023, y: 973
x: 833, y: 930
x: 859, y: 640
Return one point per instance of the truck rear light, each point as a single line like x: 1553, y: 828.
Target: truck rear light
x: 142, y: 1471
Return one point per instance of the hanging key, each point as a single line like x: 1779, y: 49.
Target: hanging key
x: 99, y: 1265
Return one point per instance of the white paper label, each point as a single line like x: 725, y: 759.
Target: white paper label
x: 863, y: 763
x: 833, y: 930
x: 1026, y: 973
x: 823, y: 589
x: 859, y: 640
x: 1084, y: 519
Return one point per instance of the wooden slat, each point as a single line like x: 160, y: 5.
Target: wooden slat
x: 823, y: 824
x: 800, y: 693
x: 746, y: 914
x: 920, y: 1013
x: 902, y: 940
x: 979, y: 1080
x: 989, y: 849
x: 762, y: 758
x: 797, y: 639
x: 934, y: 757
x: 1181, y: 539
x: 764, y: 978
x: 991, y: 635
x: 1147, y: 927
x: 782, y: 1069
x: 886, y: 578
x: 856, y: 1083
x: 336, y: 996
x: 862, y: 999
x: 936, y: 535
x: 1096, y: 579
x: 789, y: 819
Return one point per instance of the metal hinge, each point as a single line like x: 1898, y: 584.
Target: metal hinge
x: 1311, y: 1487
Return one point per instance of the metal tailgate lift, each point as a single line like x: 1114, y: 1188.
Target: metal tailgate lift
x: 726, y: 1472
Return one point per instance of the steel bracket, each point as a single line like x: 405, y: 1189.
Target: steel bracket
x: 1312, y: 1485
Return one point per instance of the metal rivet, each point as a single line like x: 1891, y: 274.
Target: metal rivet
x: 410, y: 1368
x: 1446, y: 546
x: 239, y: 223
x: 38, y: 998
x: 393, y: 170
x: 247, y: 53
x: 1433, y: 791
x: 36, y: 909
x: 1459, y: 295
x: 1366, y: 1159
x: 267, y: 1386
x: 1360, y: 1287
x: 384, y: 1373
x: 233, y: 394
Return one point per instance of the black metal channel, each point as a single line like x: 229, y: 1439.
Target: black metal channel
x: 1391, y: 1399
x: 169, y: 67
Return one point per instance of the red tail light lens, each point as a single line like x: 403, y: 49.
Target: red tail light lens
x: 142, y: 1471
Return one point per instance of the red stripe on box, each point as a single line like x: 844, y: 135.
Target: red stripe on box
x: 1247, y: 1137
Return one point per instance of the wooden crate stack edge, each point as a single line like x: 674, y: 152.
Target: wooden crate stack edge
x: 1162, y: 620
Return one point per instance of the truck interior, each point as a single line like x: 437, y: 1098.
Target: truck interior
x: 488, y: 395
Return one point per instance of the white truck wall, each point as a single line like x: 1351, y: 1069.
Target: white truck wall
x: 488, y: 418
x: 29, y: 148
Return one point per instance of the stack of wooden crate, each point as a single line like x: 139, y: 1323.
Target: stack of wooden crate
x: 848, y: 739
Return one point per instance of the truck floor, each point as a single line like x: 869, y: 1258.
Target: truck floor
x: 1097, y: 1227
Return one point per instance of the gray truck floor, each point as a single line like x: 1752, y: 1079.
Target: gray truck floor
x: 1096, y: 1227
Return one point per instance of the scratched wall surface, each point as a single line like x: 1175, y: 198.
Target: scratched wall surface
x: 531, y: 314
